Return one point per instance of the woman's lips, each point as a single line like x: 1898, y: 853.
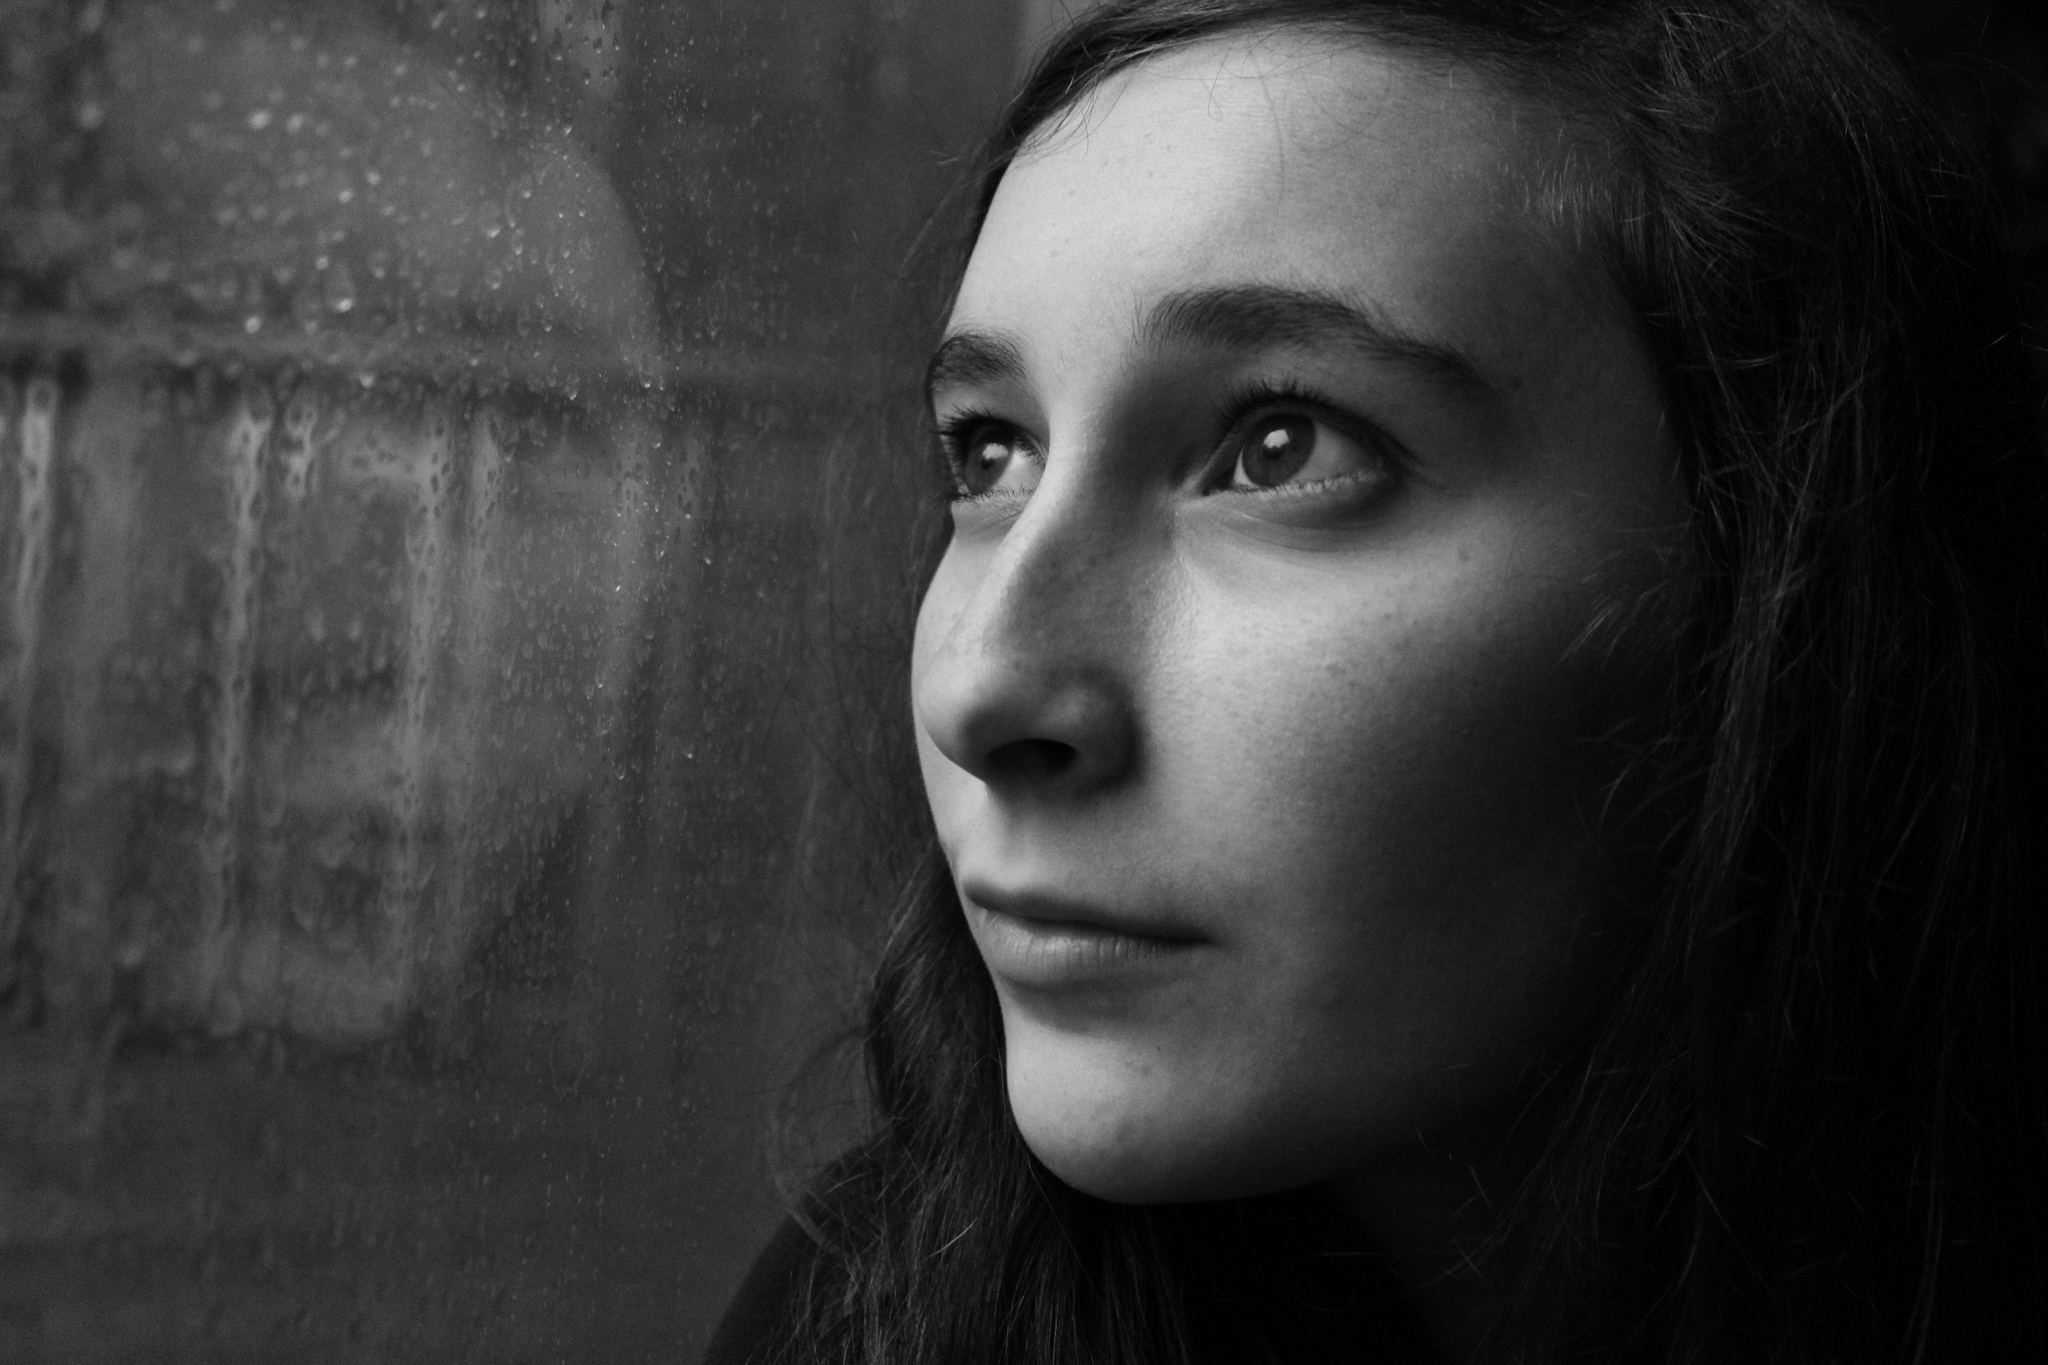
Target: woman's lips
x: 1040, y: 943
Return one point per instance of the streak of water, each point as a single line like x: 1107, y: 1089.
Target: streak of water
x: 301, y: 419
x: 234, y: 658
x: 33, y: 519
x: 475, y: 626
x: 614, y: 947
x: 427, y: 536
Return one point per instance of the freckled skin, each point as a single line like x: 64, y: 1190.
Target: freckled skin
x: 1354, y: 750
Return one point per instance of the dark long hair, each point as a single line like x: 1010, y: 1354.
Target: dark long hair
x: 1811, y: 1125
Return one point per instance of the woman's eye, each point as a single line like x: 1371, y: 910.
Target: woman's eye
x: 992, y: 458
x: 1280, y: 449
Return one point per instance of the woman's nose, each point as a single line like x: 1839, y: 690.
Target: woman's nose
x: 1028, y: 689
x: 1028, y: 727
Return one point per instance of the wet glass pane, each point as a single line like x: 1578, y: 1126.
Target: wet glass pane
x: 433, y: 829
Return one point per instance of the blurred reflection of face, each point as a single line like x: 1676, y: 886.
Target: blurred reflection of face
x: 1296, y: 458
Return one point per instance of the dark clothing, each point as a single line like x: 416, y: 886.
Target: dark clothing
x: 1331, y: 1295
x: 764, y: 1298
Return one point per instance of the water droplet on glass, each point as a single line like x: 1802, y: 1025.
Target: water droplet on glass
x: 338, y: 287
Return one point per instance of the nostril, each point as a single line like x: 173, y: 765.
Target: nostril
x: 1030, y: 761
x: 1025, y: 724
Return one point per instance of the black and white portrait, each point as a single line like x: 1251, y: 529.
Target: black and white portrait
x: 1151, y: 682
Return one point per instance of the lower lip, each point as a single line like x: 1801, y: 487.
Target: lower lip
x: 1055, y: 955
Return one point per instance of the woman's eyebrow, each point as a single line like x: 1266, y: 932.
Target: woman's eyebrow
x: 972, y: 357
x: 1255, y: 317
x: 1243, y: 317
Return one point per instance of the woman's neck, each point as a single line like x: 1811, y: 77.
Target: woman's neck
x: 1429, y: 1211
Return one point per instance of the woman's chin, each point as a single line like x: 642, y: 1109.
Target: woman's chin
x: 1119, y: 1175
x: 1141, y: 1145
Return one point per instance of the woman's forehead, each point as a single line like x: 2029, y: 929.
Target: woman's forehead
x: 1340, y: 166
x: 1291, y: 90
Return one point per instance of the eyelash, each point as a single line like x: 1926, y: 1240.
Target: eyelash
x: 1237, y: 407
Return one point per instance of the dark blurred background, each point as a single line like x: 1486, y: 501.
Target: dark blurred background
x: 456, y: 470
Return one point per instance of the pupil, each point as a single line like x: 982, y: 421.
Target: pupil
x: 1279, y: 447
x: 983, y: 467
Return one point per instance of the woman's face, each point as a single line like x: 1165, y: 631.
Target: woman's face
x: 1254, y: 695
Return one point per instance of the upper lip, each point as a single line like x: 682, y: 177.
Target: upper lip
x: 1048, y: 908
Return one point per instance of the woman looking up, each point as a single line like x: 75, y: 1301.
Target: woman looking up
x: 1475, y: 716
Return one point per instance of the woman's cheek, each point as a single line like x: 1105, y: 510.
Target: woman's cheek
x: 1374, y: 791
x: 1398, y: 832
